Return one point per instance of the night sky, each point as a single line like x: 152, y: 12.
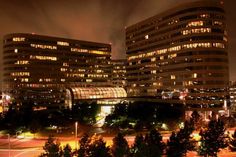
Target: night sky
x: 94, y: 20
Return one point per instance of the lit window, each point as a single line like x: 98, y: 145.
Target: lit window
x: 89, y: 80
x: 24, y: 80
x: 43, y: 46
x: 172, y: 55
x: 204, y: 15
x: 63, y: 80
x: 21, y: 62
x: 195, y: 23
x: 16, y: 50
x: 172, y: 77
x: 88, y: 51
x: 81, y: 70
x: 219, y: 23
x: 146, y: 36
x: 63, y: 69
x: 196, y: 30
x: 153, y: 59
x: 62, y: 43
x: 218, y: 45
x: 195, y: 75
x: 153, y: 71
x: 20, y: 74
x: 196, y: 45
x: 99, y: 71
x: 43, y: 58
x: 18, y: 39
x: 161, y: 57
x: 48, y: 80
x: 65, y: 64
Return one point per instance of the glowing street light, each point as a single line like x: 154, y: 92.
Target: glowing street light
x: 76, y: 134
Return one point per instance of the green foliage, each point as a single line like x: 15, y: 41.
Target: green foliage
x: 150, y: 146
x: 232, y: 142
x: 196, y: 119
x: 212, y: 138
x: 85, y: 112
x: 144, y: 114
x: 84, y: 144
x: 139, y: 148
x: 67, y: 151
x: 174, y: 148
x: 154, y: 143
x: 93, y: 147
x: 181, y: 142
x: 51, y: 148
x: 97, y: 148
x: 120, y: 147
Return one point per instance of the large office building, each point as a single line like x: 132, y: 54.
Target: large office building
x: 180, y: 56
x: 45, y: 69
x: 119, y: 73
x: 232, y: 94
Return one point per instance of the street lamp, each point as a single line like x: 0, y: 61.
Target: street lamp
x: 76, y: 134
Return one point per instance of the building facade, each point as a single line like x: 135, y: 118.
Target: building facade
x: 180, y: 56
x: 39, y: 68
x: 232, y: 93
x: 119, y: 72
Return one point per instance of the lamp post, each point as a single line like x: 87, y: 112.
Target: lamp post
x: 76, y: 134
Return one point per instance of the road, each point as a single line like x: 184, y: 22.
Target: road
x: 34, y: 147
x: 28, y: 152
x: 21, y: 147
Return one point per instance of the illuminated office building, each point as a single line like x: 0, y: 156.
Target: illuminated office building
x: 232, y: 94
x: 180, y: 56
x: 39, y: 68
x: 118, y: 78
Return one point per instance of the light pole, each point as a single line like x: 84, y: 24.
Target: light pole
x: 76, y: 134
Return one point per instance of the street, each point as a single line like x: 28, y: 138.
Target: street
x: 34, y: 147
x: 28, y: 152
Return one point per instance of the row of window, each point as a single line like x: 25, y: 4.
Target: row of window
x: 50, y: 58
x: 157, y: 19
x: 136, y: 37
x: 177, y: 48
x: 89, y: 51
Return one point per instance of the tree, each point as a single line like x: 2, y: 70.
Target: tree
x: 84, y: 144
x: 196, y: 119
x: 212, y: 138
x: 139, y: 148
x: 150, y: 146
x: 51, y: 148
x: 154, y: 143
x: 173, y: 146
x: 120, y: 147
x: 181, y: 142
x: 10, y: 122
x: 97, y: 148
x: 232, y: 142
x: 67, y: 151
x: 185, y: 137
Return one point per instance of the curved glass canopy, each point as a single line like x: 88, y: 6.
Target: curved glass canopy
x: 98, y: 92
